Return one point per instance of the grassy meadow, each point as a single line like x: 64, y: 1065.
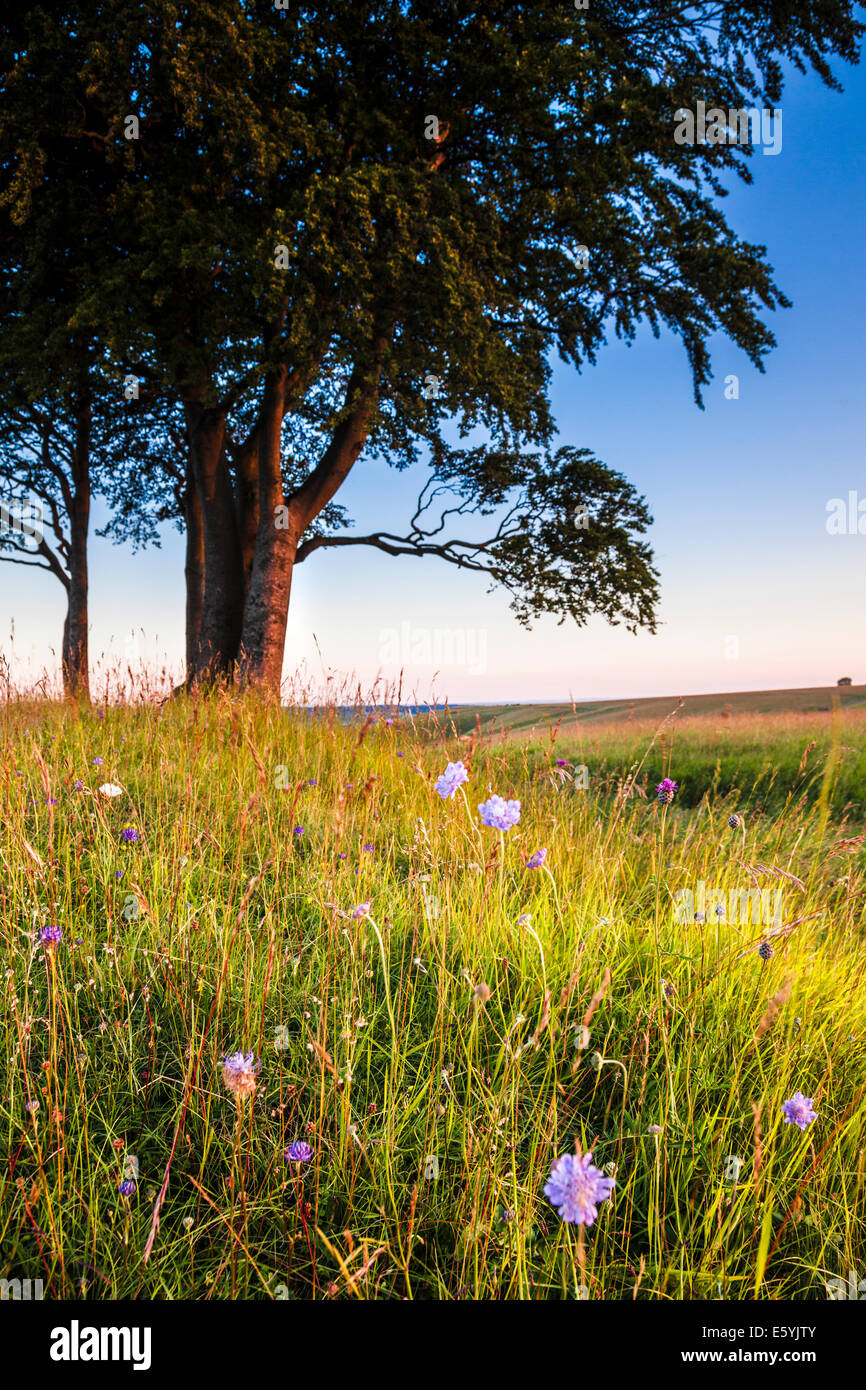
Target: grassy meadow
x: 438, y: 1051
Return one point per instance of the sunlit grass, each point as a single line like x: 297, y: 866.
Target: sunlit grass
x: 221, y: 929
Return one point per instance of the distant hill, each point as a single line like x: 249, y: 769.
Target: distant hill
x: 522, y: 718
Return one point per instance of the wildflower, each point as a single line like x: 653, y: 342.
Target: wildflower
x: 111, y: 789
x: 299, y: 1152
x: 499, y: 814
x: 51, y: 936
x: 298, y: 830
x: 798, y: 1110
x: 666, y: 790
x: 735, y: 821
x: 700, y: 917
x: 454, y: 776
x: 575, y: 1187
x: 655, y: 1129
x: 187, y: 1223
x: 524, y: 919
x: 239, y: 1073
x: 537, y: 859
x: 719, y: 909
x: 97, y: 762
x: 129, y: 833
x: 765, y: 950
x: 481, y: 993
x: 118, y: 874
x: 126, y: 1188
x: 562, y: 762
x: 31, y: 1106
x: 368, y: 849
x: 362, y: 910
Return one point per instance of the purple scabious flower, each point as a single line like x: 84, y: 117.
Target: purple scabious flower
x: 51, y: 935
x: 118, y: 873
x: 454, y: 776
x: 798, y: 1110
x: 239, y: 1073
x: 537, y: 859
x: 79, y: 785
x: 562, y: 762
x: 575, y: 1188
x: 299, y: 1152
x: 126, y: 1188
x: 666, y: 790
x: 368, y: 849
x: 129, y: 833
x: 298, y: 830
x: 499, y: 814
x: 97, y: 762
x: 362, y: 910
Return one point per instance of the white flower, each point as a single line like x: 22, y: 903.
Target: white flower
x: 111, y: 789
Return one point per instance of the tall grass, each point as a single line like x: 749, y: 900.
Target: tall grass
x: 228, y: 925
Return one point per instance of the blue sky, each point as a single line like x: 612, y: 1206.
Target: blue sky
x: 755, y: 593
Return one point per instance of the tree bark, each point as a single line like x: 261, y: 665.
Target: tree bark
x: 267, y: 606
x: 215, y: 650
x: 193, y: 569
x: 75, y: 656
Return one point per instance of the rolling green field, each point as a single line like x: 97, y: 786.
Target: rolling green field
x: 438, y: 1049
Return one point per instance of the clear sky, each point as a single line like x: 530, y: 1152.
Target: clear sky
x: 756, y: 593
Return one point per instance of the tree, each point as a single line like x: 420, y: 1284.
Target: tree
x: 324, y: 211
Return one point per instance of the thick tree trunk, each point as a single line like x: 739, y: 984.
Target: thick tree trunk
x: 247, y: 492
x: 74, y: 658
x: 216, y: 647
x: 266, y: 613
x: 193, y: 569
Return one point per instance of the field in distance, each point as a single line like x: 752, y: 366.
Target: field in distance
x: 524, y: 718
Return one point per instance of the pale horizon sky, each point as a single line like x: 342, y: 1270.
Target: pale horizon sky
x: 756, y: 594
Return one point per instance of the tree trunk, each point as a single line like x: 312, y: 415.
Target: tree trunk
x: 193, y: 569
x: 216, y: 647
x: 267, y: 607
x: 247, y: 493
x: 74, y: 658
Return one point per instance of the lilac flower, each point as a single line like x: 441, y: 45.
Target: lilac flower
x: 299, y: 1152
x: 368, y: 849
x: 97, y: 762
x: 298, y: 830
x: 798, y: 1110
x: 562, y: 762
x: 312, y: 782
x: 129, y: 833
x: 454, y: 776
x: 239, y: 1073
x: 118, y: 874
x: 51, y: 936
x: 666, y: 790
x: 51, y: 801
x: 362, y: 910
x: 126, y: 1188
x: 575, y: 1187
x: 537, y: 859
x: 79, y: 785
x: 499, y: 814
